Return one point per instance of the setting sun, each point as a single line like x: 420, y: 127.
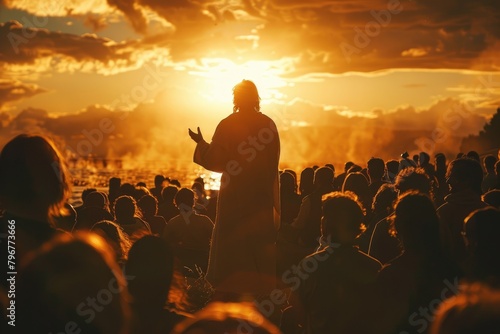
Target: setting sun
x: 220, y: 75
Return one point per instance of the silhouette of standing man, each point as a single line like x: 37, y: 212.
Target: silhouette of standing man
x: 245, y: 148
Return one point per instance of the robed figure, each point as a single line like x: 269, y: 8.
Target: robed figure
x: 245, y: 148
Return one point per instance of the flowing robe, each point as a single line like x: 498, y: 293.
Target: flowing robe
x: 245, y: 148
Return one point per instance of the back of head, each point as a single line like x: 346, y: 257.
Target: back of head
x: 473, y: 155
x: 392, y: 168
x: 357, y: 183
x: 354, y: 169
x: 482, y: 230
x: 198, y: 188
x: 348, y: 165
x: 413, y: 179
x: 140, y: 191
x: 343, y: 217
x: 376, y: 168
x: 464, y: 174
x: 159, y: 179
x: 33, y: 175
x: 184, y: 198
x: 151, y: 263
x: 287, y: 183
x: 72, y: 283
x: 323, y: 179
x: 306, y: 180
x: 476, y: 309
x: 492, y: 198
x: 148, y: 205
x: 228, y: 318
x: 115, y: 237
x: 417, y: 224
x: 383, y: 201
x: 127, y: 189
x: 489, y: 163
x: 168, y: 193
x: 125, y: 207
x: 246, y: 97
x: 423, y: 159
x: 96, y: 199
x: 291, y: 171
x: 85, y: 193
x: 440, y: 160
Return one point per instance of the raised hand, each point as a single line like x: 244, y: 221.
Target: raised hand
x: 197, y: 137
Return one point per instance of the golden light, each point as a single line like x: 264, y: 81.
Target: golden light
x: 219, y: 76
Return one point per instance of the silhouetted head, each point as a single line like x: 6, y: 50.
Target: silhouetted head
x: 288, y: 184
x: 125, y: 208
x: 140, y: 192
x: 114, y: 183
x: 476, y: 309
x: 175, y: 182
x: 392, y: 167
x: 230, y: 318
x: 331, y: 167
x: 423, y: 159
x: 354, y: 169
x: 413, y: 179
x: 473, y: 155
x: 348, y: 165
x: 416, y: 224
x: 151, y: 263
x: 497, y: 168
x: 246, y: 97
x: 376, y: 169
x: 168, y: 193
x: 343, y: 217
x: 440, y: 159
x: 323, y: 179
x: 198, y: 189
x: 96, y: 199
x: 384, y: 199
x: 127, y: 189
x: 465, y: 174
x: 72, y: 282
x: 306, y: 180
x: 489, y: 163
x: 482, y: 231
x: 148, y: 205
x: 357, y: 183
x: 116, y: 238
x: 291, y: 171
x: 492, y: 198
x: 184, y: 198
x: 159, y: 179
x: 199, y: 179
x: 85, y: 192
x: 33, y: 175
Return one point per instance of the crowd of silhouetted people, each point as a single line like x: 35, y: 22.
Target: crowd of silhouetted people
x: 410, y: 245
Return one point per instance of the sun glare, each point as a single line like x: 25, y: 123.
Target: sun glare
x: 220, y: 75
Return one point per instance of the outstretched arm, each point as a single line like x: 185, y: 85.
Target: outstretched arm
x: 211, y: 156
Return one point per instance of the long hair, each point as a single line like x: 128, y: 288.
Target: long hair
x: 246, y: 96
x: 33, y: 174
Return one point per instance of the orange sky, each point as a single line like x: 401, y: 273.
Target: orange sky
x: 378, y: 68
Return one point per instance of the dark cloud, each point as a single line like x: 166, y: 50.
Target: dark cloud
x: 132, y: 12
x: 20, y: 44
x: 11, y: 90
